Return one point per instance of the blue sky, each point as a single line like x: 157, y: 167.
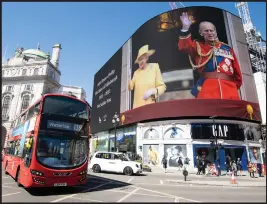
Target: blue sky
x: 90, y: 33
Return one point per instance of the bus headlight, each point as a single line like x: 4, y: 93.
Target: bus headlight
x: 37, y: 173
x: 83, y: 172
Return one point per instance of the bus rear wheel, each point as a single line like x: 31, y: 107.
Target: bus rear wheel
x: 18, y: 178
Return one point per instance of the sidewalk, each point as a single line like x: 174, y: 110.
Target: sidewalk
x: 177, y: 177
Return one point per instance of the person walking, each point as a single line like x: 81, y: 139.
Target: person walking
x: 164, y: 162
x: 203, y: 166
x: 228, y: 164
x: 259, y: 168
x: 186, y: 163
x: 251, y: 170
x: 234, y: 167
x: 239, y: 166
x: 180, y: 164
x: 198, y: 163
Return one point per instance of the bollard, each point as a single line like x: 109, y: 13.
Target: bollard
x: 185, y: 173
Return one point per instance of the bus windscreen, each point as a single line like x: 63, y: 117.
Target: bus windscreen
x: 61, y: 152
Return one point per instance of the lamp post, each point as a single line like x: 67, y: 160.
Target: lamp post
x: 115, y: 121
x: 216, y: 146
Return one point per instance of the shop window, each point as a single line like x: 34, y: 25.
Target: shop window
x: 151, y: 134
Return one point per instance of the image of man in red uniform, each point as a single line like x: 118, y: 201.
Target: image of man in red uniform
x: 220, y: 75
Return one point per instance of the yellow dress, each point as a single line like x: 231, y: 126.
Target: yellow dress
x: 153, y: 156
x: 145, y: 79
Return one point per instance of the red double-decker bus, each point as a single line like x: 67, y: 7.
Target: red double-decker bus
x: 49, y: 143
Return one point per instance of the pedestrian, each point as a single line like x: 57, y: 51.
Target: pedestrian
x: 203, y: 165
x: 198, y: 163
x: 234, y: 167
x: 180, y: 164
x: 164, y: 162
x: 219, y: 170
x: 259, y: 168
x: 228, y: 164
x: 239, y: 166
x: 251, y: 170
x: 186, y: 163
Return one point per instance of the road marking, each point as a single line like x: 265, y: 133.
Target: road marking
x: 87, y: 199
x: 171, y: 196
x: 10, y: 187
x: 9, y: 183
x: 128, y: 195
x: 11, y: 194
x: 88, y: 189
x: 116, y: 191
x: 5, y: 177
x: 130, y: 180
x: 176, y: 200
x: 155, y: 184
x: 161, y: 182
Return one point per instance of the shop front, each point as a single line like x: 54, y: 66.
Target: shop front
x: 164, y: 138
x: 234, y: 151
x: 235, y: 142
x: 125, y: 141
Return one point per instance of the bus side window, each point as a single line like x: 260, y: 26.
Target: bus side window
x: 36, y: 108
x: 30, y: 113
x: 16, y: 147
x: 10, y: 148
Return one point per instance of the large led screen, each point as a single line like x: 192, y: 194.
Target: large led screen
x: 187, y: 53
x: 106, y: 93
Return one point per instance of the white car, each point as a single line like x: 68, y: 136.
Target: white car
x: 114, y: 162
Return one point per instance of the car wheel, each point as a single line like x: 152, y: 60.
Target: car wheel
x: 96, y: 168
x: 128, y: 171
x: 18, y: 178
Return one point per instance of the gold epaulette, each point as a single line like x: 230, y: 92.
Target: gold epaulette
x: 225, y: 44
x: 199, y: 52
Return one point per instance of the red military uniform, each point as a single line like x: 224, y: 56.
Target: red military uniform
x: 221, y: 82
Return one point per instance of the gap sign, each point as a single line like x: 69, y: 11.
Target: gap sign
x: 63, y: 126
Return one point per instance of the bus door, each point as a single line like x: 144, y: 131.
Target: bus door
x: 27, y: 156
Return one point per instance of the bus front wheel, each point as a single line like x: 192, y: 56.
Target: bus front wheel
x: 18, y: 178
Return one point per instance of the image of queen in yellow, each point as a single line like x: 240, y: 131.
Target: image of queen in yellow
x: 147, y: 80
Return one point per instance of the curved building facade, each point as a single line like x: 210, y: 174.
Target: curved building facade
x: 184, y: 78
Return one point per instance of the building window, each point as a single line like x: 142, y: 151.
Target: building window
x: 52, y: 74
x: 9, y: 88
x: 24, y: 72
x: 5, y: 107
x: 35, y: 72
x: 25, y: 102
x: 28, y: 87
x: 3, y: 73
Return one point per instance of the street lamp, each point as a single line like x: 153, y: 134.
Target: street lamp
x: 217, y: 144
x: 115, y: 121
